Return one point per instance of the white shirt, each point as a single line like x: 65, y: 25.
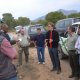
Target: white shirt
x: 77, y: 45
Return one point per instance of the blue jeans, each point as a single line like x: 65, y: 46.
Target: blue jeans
x: 14, y: 78
x: 53, y: 52
x: 40, y: 52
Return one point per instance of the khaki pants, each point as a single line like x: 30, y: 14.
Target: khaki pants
x: 26, y: 52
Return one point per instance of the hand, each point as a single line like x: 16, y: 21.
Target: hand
x: 17, y: 40
x: 50, y: 41
x: 45, y: 44
x: 35, y: 46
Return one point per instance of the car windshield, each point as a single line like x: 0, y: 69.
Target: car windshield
x: 34, y: 29
x: 66, y: 22
x: 60, y: 24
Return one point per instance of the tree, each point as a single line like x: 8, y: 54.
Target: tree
x: 43, y: 22
x: 33, y: 23
x: 74, y: 15
x: 23, y: 21
x: 8, y: 19
x: 54, y: 16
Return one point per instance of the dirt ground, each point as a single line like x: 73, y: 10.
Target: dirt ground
x: 34, y: 71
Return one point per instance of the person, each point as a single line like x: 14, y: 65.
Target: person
x: 52, y: 39
x: 40, y: 45
x: 70, y: 43
x: 7, y: 69
x: 4, y: 32
x: 77, y: 46
x: 23, y: 43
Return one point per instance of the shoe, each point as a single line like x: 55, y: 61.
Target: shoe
x: 54, y: 69
x: 71, y: 76
x: 43, y: 62
x: 39, y: 62
x: 58, y: 71
x: 76, y: 78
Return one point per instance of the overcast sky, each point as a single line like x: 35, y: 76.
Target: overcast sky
x: 36, y: 8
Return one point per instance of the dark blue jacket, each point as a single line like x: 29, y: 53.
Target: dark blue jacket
x: 40, y: 40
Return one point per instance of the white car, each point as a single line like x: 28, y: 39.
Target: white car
x: 17, y: 28
x: 63, y: 52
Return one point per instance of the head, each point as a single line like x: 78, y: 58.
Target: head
x: 71, y: 29
x: 51, y: 26
x: 4, y: 27
x: 79, y: 30
x: 22, y: 31
x: 39, y: 30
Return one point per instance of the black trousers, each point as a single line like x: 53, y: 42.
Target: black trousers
x: 74, y: 62
x: 53, y: 52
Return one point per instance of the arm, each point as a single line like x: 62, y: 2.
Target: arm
x: 12, y: 42
x: 46, y: 37
x: 77, y: 45
x: 35, y: 40
x: 56, y: 39
x: 8, y: 49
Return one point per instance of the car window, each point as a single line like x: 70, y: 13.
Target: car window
x: 65, y: 23
x: 34, y: 29
x: 76, y: 20
x: 60, y: 24
x: 68, y: 22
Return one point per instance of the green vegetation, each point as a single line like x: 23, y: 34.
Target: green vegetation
x: 74, y: 15
x: 50, y: 17
x: 9, y: 19
x: 55, y: 16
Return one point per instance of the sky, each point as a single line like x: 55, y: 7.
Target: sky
x: 36, y: 8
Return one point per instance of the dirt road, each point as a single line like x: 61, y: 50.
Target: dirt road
x: 35, y: 71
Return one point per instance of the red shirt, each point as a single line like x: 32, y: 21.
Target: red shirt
x: 51, y: 38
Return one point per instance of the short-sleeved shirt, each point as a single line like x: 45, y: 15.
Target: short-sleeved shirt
x: 40, y: 40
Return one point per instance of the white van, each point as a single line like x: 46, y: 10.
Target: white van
x: 62, y: 47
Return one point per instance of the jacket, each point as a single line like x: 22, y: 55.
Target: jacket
x: 55, y: 38
x: 12, y: 42
x: 7, y: 69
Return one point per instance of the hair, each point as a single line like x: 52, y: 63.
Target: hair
x: 3, y: 25
x: 39, y: 29
x: 50, y: 23
x: 72, y: 28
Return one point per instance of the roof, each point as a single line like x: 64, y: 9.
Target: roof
x: 76, y: 23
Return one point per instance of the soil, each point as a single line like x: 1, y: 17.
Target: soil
x: 34, y: 71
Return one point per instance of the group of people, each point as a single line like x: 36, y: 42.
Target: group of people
x: 51, y: 40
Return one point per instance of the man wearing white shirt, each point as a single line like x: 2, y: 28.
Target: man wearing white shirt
x: 23, y: 43
x: 77, y: 46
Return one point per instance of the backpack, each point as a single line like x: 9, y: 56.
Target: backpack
x: 6, y: 48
